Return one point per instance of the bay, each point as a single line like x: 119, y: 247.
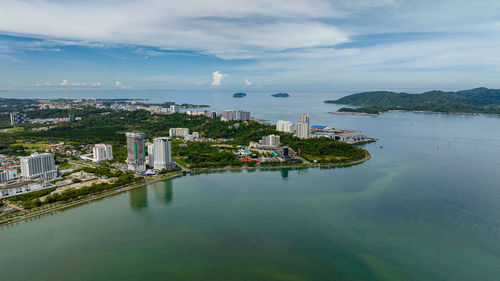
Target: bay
x: 425, y: 207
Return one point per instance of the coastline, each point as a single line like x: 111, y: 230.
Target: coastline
x: 16, y: 217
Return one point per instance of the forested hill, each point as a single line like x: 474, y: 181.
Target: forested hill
x: 479, y: 100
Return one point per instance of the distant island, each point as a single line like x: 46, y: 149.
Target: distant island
x: 479, y: 100
x: 239, y: 95
x: 281, y: 95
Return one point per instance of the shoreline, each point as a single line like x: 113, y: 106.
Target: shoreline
x: 59, y: 207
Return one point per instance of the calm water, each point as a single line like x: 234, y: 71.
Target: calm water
x: 425, y: 207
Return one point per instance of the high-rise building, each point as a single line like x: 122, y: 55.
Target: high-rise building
x: 213, y: 115
x: 284, y: 126
x: 175, y: 108
x: 8, y: 175
x: 162, y: 154
x: 271, y: 140
x: 136, y: 157
x: 304, y: 118
x: 178, y: 132
x: 229, y: 114
x: 102, y: 152
x: 38, y: 166
x: 303, y: 127
x: 243, y: 115
x: 18, y: 118
x: 151, y: 154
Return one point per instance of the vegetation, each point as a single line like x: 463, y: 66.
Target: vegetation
x: 239, y: 95
x: 281, y: 95
x: 480, y: 100
x: 32, y: 195
x: 368, y: 110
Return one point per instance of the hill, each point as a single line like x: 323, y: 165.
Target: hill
x: 479, y: 100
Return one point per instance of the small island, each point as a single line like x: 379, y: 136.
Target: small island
x: 281, y: 95
x: 474, y: 101
x: 239, y: 95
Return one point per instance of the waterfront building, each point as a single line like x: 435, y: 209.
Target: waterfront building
x: 39, y: 166
x: 243, y: 115
x: 162, y: 154
x: 284, y: 126
x: 18, y: 118
x: 18, y: 188
x: 285, y: 153
x: 151, y: 154
x: 8, y: 175
x: 178, y: 132
x: 102, y: 152
x: 229, y: 115
x: 303, y: 127
x: 136, y: 158
x: 175, y: 108
x: 271, y: 140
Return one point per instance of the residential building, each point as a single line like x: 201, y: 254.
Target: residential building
x: 303, y: 127
x: 175, y: 108
x: 178, y: 132
x: 271, y: 140
x: 229, y: 115
x: 162, y: 154
x: 39, y: 166
x: 284, y: 126
x: 102, y: 152
x: 151, y: 154
x: 243, y: 115
x: 136, y: 158
x: 8, y: 175
x: 18, y: 118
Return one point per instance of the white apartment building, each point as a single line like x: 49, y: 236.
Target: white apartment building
x: 175, y: 109
x: 162, y: 154
x: 303, y: 127
x: 102, y: 152
x: 284, y: 126
x: 38, y: 166
x: 8, y: 175
x: 178, y: 132
x: 271, y: 140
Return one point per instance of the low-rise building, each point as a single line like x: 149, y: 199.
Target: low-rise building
x: 8, y: 175
x: 178, y: 132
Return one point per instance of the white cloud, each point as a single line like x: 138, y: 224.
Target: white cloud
x: 236, y: 27
x: 247, y: 83
x: 64, y: 83
x: 217, y: 78
x: 120, y: 85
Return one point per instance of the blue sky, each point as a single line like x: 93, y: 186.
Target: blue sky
x: 195, y: 44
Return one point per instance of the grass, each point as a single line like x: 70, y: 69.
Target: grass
x: 12, y: 130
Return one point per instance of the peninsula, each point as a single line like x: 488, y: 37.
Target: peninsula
x: 88, y: 154
x: 479, y: 100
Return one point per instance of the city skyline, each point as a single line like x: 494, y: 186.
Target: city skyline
x: 320, y: 44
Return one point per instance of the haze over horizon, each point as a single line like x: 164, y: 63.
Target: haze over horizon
x: 298, y: 44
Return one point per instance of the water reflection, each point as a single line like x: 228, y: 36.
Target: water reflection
x: 139, y: 198
x: 284, y: 174
x: 164, y: 191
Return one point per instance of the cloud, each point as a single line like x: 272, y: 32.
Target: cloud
x: 240, y: 28
x: 65, y: 83
x: 247, y: 83
x: 120, y: 85
x: 217, y: 78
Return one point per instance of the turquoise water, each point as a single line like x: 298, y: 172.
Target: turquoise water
x: 425, y: 207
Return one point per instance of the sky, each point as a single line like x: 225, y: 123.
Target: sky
x: 241, y: 44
